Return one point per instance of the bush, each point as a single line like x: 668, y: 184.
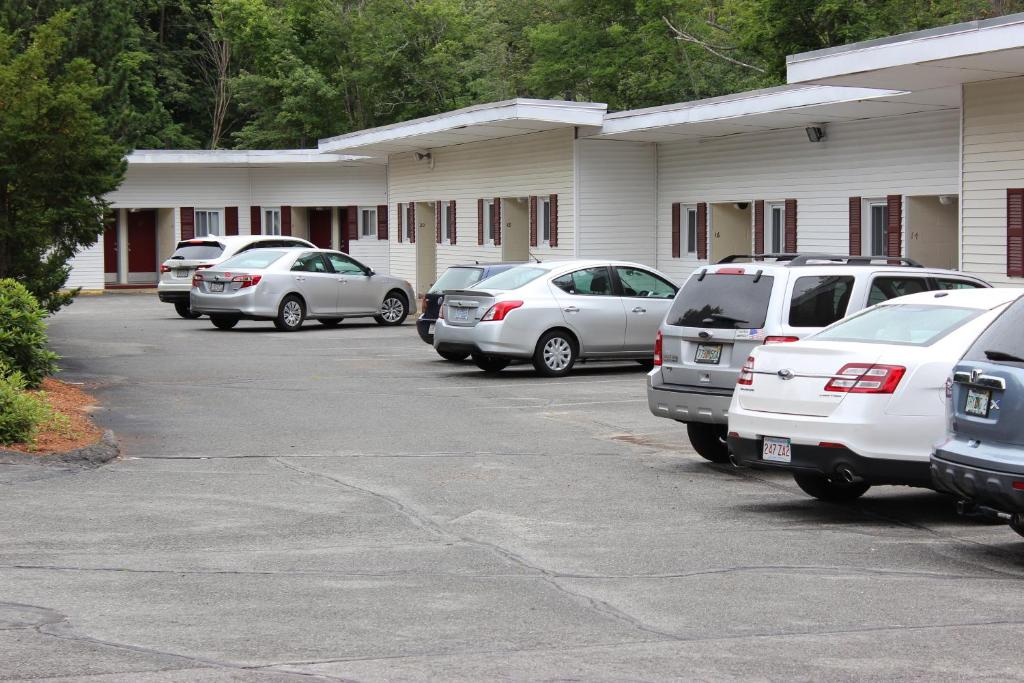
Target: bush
x: 23, y: 334
x: 21, y: 412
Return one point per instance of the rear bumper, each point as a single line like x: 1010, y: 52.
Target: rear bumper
x: 828, y: 461
x: 246, y: 303
x: 983, y: 480
x: 492, y: 339
x: 173, y: 297
x: 687, y: 403
x: 424, y: 329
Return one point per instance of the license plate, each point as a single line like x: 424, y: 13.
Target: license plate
x: 977, y: 402
x: 461, y: 314
x: 182, y: 272
x: 775, y: 449
x: 216, y: 286
x: 708, y: 353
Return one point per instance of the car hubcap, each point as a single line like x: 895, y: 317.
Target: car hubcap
x: 391, y: 310
x: 292, y: 313
x: 557, y: 353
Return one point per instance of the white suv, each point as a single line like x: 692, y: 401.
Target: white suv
x: 203, y: 252
x: 726, y: 309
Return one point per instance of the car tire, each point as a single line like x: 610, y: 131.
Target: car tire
x: 330, y: 322
x: 829, y: 490
x: 709, y: 441
x: 1017, y: 523
x: 490, y: 363
x: 454, y: 356
x: 223, y: 322
x: 394, y: 310
x: 555, y: 354
x: 183, y: 309
x: 290, y: 314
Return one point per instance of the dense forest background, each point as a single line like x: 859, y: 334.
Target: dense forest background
x: 283, y: 73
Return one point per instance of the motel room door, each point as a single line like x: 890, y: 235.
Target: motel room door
x: 320, y: 227
x: 142, y: 265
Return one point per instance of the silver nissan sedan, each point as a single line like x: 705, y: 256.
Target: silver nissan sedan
x: 557, y: 313
x: 288, y: 286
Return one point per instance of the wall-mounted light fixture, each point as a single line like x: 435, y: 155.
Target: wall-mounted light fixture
x: 946, y: 199
x: 815, y: 133
x: 742, y: 206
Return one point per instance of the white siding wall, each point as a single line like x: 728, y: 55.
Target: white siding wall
x: 910, y: 155
x: 87, y: 268
x: 525, y: 165
x: 993, y: 161
x: 617, y: 198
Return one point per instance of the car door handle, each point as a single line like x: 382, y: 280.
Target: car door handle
x: 341, y: 280
x: 639, y: 309
x: 299, y: 278
x: 571, y: 309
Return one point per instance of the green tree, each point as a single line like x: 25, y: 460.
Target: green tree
x: 57, y: 161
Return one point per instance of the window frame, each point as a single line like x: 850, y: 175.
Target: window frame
x: 775, y: 235
x: 850, y: 279
x: 867, y: 238
x: 367, y: 230
x: 206, y: 213
x: 489, y: 222
x: 272, y: 227
x: 544, y: 221
x: 446, y: 237
x: 690, y: 214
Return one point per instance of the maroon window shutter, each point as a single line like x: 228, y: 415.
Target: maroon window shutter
x: 231, y: 220
x: 759, y: 226
x: 677, y: 227
x: 855, y: 225
x: 352, y: 222
x: 496, y: 209
x: 479, y: 221
x: 451, y: 221
x: 894, y: 225
x: 437, y: 222
x: 401, y: 221
x: 188, y: 222
x: 702, y: 231
x: 412, y: 222
x: 790, y: 226
x: 533, y: 221
x: 286, y: 220
x: 255, y: 220
x: 553, y: 241
x: 1015, y: 232
x: 382, y: 221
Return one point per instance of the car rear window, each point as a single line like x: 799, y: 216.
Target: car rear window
x: 819, y: 301
x: 457, y: 278
x: 513, y: 278
x: 885, y: 288
x: 723, y: 301
x: 1002, y: 341
x: 257, y: 258
x: 198, y: 251
x: 906, y: 324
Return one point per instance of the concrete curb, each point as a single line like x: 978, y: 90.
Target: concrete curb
x: 100, y: 453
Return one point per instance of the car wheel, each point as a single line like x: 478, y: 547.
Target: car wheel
x: 223, y: 322
x: 829, y: 490
x: 490, y: 363
x: 555, y: 354
x: 1017, y: 523
x: 454, y: 356
x: 290, y: 314
x: 393, y: 311
x: 183, y: 309
x: 330, y: 322
x: 709, y: 441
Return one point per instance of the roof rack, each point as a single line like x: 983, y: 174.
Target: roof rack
x: 792, y: 260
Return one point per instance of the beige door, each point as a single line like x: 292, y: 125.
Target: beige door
x: 932, y: 230
x: 515, y: 229
x: 731, y: 230
x: 426, y: 247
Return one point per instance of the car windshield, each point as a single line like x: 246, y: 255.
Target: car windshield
x: 723, y: 301
x: 197, y: 251
x: 513, y: 278
x: 905, y: 324
x: 456, y: 278
x: 1002, y: 341
x: 257, y: 258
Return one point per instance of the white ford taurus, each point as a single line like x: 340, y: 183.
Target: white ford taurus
x: 863, y: 401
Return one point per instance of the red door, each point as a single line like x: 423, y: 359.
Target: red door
x: 142, y: 242
x: 320, y: 227
x: 110, y: 248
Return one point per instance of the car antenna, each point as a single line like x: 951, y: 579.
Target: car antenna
x: 757, y: 275
x: 535, y: 259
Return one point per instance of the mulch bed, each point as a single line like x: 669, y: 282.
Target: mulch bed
x: 76, y: 431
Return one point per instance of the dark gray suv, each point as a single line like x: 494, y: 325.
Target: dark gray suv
x: 983, y: 460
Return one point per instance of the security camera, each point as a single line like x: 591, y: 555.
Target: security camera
x: 815, y: 133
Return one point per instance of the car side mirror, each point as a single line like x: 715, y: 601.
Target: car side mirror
x: 370, y: 272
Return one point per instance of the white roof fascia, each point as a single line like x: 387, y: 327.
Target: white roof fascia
x: 960, y: 40
x: 554, y: 113
x: 771, y: 100
x: 231, y: 157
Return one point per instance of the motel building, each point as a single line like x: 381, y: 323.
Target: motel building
x: 911, y: 145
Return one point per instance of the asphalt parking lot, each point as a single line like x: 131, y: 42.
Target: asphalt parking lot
x: 341, y: 504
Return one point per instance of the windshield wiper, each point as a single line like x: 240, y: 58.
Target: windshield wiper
x: 180, y: 258
x: 713, y: 317
x: 1001, y: 355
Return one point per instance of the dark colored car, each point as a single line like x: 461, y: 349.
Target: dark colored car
x: 456, y: 277
x: 983, y: 460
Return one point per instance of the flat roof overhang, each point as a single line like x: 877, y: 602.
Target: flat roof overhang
x: 473, y: 124
x: 922, y: 60
x: 765, y: 110
x: 228, y: 158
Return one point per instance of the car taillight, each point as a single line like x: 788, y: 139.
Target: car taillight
x: 205, y: 265
x: 780, y: 340
x: 440, y: 308
x: 196, y: 279
x: 164, y: 268
x: 747, y: 373
x: 866, y: 378
x: 657, y: 349
x: 247, y: 280
x: 949, y: 387
x: 499, y: 310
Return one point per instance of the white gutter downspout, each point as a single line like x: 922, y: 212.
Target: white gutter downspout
x: 960, y: 180
x: 577, y: 226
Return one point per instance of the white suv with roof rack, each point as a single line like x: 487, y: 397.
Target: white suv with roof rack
x: 726, y: 309
x: 203, y: 252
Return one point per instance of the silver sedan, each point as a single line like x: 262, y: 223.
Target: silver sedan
x: 291, y: 285
x: 557, y: 313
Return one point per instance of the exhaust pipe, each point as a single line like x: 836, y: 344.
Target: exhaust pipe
x: 847, y: 474
x: 970, y: 509
x: 735, y: 463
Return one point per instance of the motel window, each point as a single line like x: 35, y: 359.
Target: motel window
x: 368, y: 222
x: 446, y: 229
x: 208, y: 222
x: 877, y: 227
x: 271, y: 221
x: 775, y: 242
x: 489, y: 220
x: 691, y: 230
x: 544, y: 216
